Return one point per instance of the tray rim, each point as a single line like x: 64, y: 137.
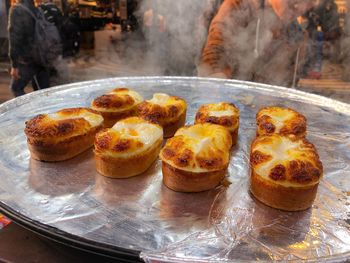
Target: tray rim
x: 341, y: 106
x: 68, y: 239
x: 78, y: 242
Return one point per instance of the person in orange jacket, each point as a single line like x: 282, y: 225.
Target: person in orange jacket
x: 256, y: 40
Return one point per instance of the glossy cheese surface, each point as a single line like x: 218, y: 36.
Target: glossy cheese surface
x: 162, y: 108
x: 63, y: 124
x: 128, y: 137
x: 286, y: 160
x: 225, y: 114
x: 119, y: 99
x: 198, y: 148
x: 280, y: 120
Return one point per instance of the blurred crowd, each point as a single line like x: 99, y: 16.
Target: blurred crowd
x: 274, y: 41
x: 269, y: 41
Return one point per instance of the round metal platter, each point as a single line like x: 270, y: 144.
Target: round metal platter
x: 71, y: 203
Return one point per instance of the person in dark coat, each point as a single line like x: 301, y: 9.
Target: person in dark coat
x: 330, y: 24
x: 329, y: 20
x: 21, y: 36
x: 345, y: 44
x: 52, y: 13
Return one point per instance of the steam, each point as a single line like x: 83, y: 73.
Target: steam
x: 177, y: 48
x: 175, y: 34
x: 172, y: 50
x: 251, y: 47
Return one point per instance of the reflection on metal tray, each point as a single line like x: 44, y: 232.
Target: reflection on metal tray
x: 69, y: 201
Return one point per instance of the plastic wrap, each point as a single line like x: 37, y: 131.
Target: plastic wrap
x: 141, y: 214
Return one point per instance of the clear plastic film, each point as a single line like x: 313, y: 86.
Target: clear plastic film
x: 141, y: 214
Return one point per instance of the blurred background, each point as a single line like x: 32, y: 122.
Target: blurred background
x: 111, y: 38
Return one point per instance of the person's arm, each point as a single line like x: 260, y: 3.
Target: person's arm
x: 213, y: 55
x: 15, y: 39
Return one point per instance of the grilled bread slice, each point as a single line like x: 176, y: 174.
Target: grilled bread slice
x: 62, y: 135
x: 196, y: 158
x: 128, y: 148
x: 285, y: 171
x: 167, y: 111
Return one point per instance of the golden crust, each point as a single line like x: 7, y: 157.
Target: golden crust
x: 108, y: 101
x: 281, y: 197
x: 229, y: 121
x: 286, y: 160
x: 110, y: 118
x: 196, y: 158
x: 119, y: 167
x: 44, y: 127
x: 52, y: 139
x: 106, y: 140
x: 198, y: 148
x: 285, y: 171
x: 169, y: 129
x: 128, y: 148
x: 123, y: 141
x: 280, y: 120
x: 184, y: 181
x: 171, y: 114
x: 117, y: 99
x: 63, y: 150
x: 120, y: 103
x: 227, y: 116
x: 184, y: 151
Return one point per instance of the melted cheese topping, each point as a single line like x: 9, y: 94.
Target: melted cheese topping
x: 128, y: 137
x: 162, y: 99
x: 122, y: 95
x: 281, y: 151
x: 222, y: 113
x: 279, y: 117
x: 93, y: 118
x: 162, y: 108
x: 136, y: 96
x: 198, y: 148
x: 284, y: 120
x: 62, y: 125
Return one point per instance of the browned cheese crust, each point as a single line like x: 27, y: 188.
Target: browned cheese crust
x: 182, y: 156
x: 285, y: 171
x: 283, y: 121
x: 120, y: 154
x: 231, y: 121
x: 55, y: 140
x: 116, y: 105
x: 170, y: 116
x: 115, y: 100
x: 117, y: 167
x: 203, y: 114
x: 184, y: 181
x: 196, y: 158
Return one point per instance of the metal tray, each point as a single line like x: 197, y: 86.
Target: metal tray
x: 71, y: 203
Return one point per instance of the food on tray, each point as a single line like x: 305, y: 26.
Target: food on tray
x: 196, y: 158
x: 128, y: 148
x: 118, y: 104
x: 286, y: 171
x: 223, y: 113
x: 62, y: 135
x: 167, y: 111
x: 282, y: 121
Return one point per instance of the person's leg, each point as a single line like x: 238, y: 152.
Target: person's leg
x: 26, y: 73
x: 42, y: 78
